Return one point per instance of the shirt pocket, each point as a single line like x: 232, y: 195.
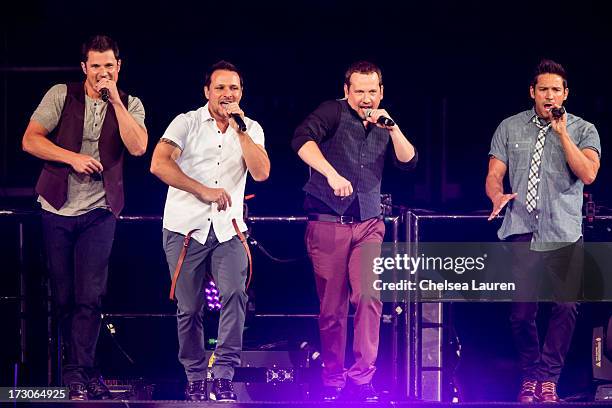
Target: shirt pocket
x: 555, y: 161
x: 519, y: 156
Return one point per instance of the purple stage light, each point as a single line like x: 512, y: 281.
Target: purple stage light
x: 213, y: 302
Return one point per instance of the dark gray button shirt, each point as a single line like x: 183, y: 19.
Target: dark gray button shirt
x: 358, y: 153
x: 557, y: 220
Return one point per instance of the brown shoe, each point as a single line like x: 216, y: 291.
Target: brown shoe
x: 547, y: 392
x: 528, y: 390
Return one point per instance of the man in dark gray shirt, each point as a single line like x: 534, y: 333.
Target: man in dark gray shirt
x: 81, y: 131
x: 549, y: 156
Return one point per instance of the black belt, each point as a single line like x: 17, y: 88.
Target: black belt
x: 341, y: 219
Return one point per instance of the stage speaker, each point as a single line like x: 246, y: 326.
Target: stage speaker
x: 602, y: 365
x: 604, y: 393
x: 126, y: 389
x: 602, y: 352
x: 271, y: 375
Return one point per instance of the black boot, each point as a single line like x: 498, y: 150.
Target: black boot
x: 97, y: 390
x: 196, y: 390
x: 223, y: 390
x: 77, y: 391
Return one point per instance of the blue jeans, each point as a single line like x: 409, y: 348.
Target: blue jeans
x: 78, y: 250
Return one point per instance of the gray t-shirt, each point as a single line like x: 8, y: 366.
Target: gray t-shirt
x: 85, y: 192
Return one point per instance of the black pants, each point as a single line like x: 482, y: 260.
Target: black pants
x: 78, y: 250
x: 560, y: 269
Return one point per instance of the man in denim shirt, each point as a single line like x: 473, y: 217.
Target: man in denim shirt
x: 549, y: 159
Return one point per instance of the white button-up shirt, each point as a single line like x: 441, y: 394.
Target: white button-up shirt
x: 214, y: 159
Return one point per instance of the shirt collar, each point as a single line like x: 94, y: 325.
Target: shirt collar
x: 205, y: 114
x: 531, y: 114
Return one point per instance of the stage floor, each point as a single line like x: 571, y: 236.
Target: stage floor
x: 296, y: 404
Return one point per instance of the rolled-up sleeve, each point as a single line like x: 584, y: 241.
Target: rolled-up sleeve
x: 405, y: 166
x: 499, y: 144
x: 590, y: 139
x: 319, y: 125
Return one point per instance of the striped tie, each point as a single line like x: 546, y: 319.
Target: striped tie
x: 534, y: 170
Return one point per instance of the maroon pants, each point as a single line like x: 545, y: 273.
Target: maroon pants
x: 342, y: 259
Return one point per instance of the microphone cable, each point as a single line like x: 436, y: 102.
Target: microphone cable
x: 112, y: 332
x: 252, y: 241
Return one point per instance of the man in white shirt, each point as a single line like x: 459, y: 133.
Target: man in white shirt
x: 204, y: 156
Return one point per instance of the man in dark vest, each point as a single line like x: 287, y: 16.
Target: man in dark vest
x: 345, y: 143
x: 81, y: 131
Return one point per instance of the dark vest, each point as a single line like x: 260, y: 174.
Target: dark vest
x: 53, y: 181
x: 358, y: 156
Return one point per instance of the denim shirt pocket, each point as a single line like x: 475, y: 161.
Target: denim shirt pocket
x: 557, y: 162
x: 554, y: 159
x: 519, y: 156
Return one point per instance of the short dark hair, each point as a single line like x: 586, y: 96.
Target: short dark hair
x: 362, y: 67
x: 547, y: 66
x: 99, y: 43
x: 225, y: 66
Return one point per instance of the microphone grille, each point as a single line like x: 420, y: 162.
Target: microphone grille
x: 368, y: 112
x: 105, y: 94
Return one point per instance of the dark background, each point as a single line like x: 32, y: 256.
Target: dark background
x: 452, y: 71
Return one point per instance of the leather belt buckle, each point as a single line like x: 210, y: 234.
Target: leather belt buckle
x: 346, y: 219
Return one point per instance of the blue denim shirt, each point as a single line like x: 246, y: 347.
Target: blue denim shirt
x: 557, y: 220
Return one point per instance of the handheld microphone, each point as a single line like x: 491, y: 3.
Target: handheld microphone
x: 239, y: 122
x: 382, y: 120
x: 105, y: 94
x: 557, y: 112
